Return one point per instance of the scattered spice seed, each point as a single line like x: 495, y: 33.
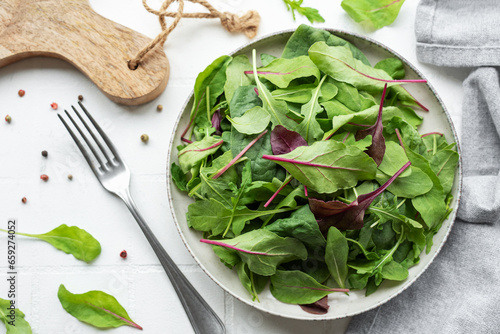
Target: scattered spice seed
x: 24, y: 200
x: 144, y: 138
x: 70, y: 177
x: 45, y: 153
x: 123, y: 254
x: 21, y: 93
x: 44, y: 177
x: 54, y: 105
x: 8, y: 119
x: 159, y: 107
x: 80, y: 97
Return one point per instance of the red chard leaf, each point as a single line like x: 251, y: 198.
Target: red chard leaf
x: 285, y: 141
x: 216, y: 119
x: 377, y: 149
x: 319, y: 307
x: 347, y: 216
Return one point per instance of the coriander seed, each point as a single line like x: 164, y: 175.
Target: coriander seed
x: 80, y: 97
x: 8, y: 119
x: 144, y: 138
x: 159, y: 107
x: 24, y: 200
x: 44, y: 153
x: 70, y: 177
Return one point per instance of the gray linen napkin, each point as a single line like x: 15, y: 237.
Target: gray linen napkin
x: 460, y: 291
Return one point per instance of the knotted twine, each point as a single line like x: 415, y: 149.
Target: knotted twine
x: 248, y: 23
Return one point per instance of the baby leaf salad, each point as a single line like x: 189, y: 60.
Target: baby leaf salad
x: 308, y: 172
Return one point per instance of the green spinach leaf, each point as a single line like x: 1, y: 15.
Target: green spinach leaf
x: 95, y: 308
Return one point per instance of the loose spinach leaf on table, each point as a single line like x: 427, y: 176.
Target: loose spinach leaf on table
x: 95, y: 308
x: 375, y: 14
x: 13, y: 318
x: 71, y: 240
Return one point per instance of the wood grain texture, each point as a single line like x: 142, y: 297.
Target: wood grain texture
x: 98, y: 47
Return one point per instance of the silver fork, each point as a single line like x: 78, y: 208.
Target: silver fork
x: 114, y: 176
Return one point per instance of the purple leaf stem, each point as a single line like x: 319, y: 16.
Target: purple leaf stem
x: 377, y: 149
x: 305, y: 191
x: 347, y: 216
x: 287, y: 181
x: 346, y: 136
x: 130, y: 323
x: 219, y: 243
x: 276, y: 73
x: 239, y: 155
x: 277, y: 158
x: 400, y: 139
x: 203, y: 149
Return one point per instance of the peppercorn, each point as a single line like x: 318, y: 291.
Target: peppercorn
x: 8, y: 119
x: 44, y: 177
x: 21, y: 93
x: 54, y: 105
x: 159, y: 107
x: 144, y: 138
x: 24, y: 200
x: 123, y: 254
x: 70, y: 177
x: 80, y: 97
x: 45, y: 153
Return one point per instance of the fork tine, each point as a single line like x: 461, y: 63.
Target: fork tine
x: 101, y: 133
x: 101, y: 163
x: 79, y: 144
x: 97, y: 141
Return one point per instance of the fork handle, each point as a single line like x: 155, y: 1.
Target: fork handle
x: 203, y: 319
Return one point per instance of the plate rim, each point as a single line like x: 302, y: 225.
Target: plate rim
x: 452, y: 217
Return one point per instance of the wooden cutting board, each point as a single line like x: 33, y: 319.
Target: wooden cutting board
x: 99, y: 48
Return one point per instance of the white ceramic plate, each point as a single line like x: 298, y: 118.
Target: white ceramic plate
x: 342, y: 305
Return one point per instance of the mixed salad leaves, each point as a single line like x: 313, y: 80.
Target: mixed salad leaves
x: 308, y: 172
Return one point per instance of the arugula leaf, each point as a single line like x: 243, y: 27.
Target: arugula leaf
x: 13, y: 318
x: 71, y: 240
x: 276, y: 109
x: 296, y: 287
x: 263, y: 250
x: 214, y: 78
x: 95, y: 308
x: 327, y: 166
x: 212, y: 216
x: 309, y: 128
x: 373, y: 13
x: 311, y: 14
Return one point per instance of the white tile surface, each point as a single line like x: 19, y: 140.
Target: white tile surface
x: 137, y: 282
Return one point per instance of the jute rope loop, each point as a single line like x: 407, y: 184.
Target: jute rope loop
x: 248, y: 23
